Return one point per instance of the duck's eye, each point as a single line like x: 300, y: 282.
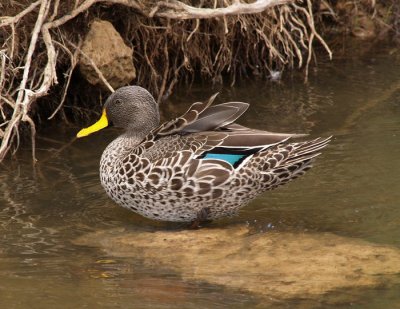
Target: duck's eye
x: 118, y: 101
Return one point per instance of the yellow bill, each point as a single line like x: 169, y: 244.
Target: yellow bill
x: 100, y: 124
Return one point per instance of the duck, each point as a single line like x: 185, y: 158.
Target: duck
x: 198, y: 167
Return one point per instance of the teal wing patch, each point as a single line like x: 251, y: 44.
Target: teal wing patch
x: 233, y: 156
x: 232, y: 159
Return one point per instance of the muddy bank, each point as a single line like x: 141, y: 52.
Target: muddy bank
x: 48, y: 55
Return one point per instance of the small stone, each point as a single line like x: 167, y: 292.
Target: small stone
x: 363, y: 27
x: 106, y: 48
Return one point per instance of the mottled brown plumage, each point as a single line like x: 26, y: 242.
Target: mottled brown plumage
x: 199, y: 163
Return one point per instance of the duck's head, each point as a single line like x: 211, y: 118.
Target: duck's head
x: 132, y: 108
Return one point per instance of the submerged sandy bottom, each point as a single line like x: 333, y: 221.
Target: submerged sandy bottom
x: 275, y: 264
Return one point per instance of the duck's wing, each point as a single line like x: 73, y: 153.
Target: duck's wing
x: 216, y: 117
x: 204, y: 127
x: 201, y: 116
x: 231, y: 146
x: 202, y: 164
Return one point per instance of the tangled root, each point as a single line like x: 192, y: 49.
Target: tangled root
x: 173, y: 42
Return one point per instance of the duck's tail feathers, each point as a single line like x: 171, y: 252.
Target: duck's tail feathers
x: 286, y: 162
x: 307, y: 150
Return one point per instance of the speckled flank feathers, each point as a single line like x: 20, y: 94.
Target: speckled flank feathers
x: 174, y: 171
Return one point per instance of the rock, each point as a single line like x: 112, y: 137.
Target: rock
x: 278, y: 265
x: 363, y: 27
x: 106, y: 48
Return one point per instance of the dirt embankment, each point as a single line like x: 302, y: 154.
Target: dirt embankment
x: 53, y: 51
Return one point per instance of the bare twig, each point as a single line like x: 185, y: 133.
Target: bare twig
x: 10, y: 20
x: 23, y: 100
x: 194, y: 30
x: 73, y: 59
x: 99, y: 73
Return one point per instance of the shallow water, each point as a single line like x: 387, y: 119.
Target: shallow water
x: 353, y: 191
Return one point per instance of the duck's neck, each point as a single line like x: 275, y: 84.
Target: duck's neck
x: 119, y: 148
x: 136, y: 131
x: 131, y: 140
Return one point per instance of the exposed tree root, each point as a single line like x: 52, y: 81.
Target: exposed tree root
x: 173, y: 41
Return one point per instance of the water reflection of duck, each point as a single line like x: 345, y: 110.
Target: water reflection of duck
x: 200, y: 166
